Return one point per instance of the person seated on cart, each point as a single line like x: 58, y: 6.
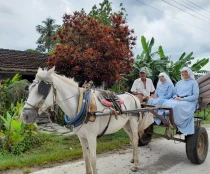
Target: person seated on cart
x: 163, y: 92
x: 143, y: 86
x: 184, y: 102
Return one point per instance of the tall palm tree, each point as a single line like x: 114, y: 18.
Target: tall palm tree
x: 47, y: 31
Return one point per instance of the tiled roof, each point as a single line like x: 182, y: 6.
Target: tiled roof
x: 23, y: 61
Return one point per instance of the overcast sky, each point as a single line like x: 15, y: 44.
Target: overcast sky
x: 18, y: 19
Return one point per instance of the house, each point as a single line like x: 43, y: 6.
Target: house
x: 22, y: 62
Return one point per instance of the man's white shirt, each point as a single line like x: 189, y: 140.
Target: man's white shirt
x: 138, y: 86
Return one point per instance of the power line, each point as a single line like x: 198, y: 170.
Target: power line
x: 190, y: 9
x: 191, y: 5
x: 197, y: 6
x: 186, y: 11
x: 172, y: 16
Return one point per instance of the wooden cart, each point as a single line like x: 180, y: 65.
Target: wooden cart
x: 196, y: 144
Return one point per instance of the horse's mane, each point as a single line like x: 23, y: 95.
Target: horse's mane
x: 67, y: 80
x: 42, y: 75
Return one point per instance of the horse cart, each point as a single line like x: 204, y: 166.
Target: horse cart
x: 196, y: 144
x: 92, y: 119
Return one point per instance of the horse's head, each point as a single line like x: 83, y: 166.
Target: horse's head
x: 41, y: 96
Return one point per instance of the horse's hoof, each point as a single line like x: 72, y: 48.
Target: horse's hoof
x: 134, y: 169
x: 132, y: 161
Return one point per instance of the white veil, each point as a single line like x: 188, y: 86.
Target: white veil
x: 166, y: 77
x: 191, y: 74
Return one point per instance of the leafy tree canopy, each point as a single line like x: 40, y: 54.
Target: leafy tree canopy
x: 47, y: 31
x: 89, y: 50
x: 104, y: 12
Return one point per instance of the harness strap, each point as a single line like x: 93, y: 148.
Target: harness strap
x: 133, y: 98
x: 116, y: 105
x: 104, y: 131
x: 82, y: 115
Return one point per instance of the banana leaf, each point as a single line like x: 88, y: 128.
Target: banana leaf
x: 199, y: 64
x: 151, y: 44
x: 161, y: 52
x: 182, y: 56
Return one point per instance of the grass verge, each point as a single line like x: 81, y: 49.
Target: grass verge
x: 207, y: 114
x: 61, y: 149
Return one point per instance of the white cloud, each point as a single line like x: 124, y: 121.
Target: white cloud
x: 19, y: 18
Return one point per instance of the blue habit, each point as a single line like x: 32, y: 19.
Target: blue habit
x: 184, y: 110
x: 164, y: 92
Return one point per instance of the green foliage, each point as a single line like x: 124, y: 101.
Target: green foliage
x: 47, y: 31
x: 59, y: 116
x: 119, y: 87
x: 16, y: 78
x: 4, y: 100
x: 157, y: 62
x: 59, y: 149
x: 16, y: 91
x: 146, y: 59
x: 11, y: 90
x: 199, y: 64
x: 15, y: 136
x: 105, y: 12
x: 32, y: 51
x: 49, y: 151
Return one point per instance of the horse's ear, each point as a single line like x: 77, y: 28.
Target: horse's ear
x: 52, y: 69
x: 39, y: 69
x: 50, y: 72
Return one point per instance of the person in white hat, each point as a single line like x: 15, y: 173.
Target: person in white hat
x: 184, y: 102
x: 164, y: 91
x: 143, y: 86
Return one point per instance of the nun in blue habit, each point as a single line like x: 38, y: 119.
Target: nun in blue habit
x: 184, y: 101
x: 163, y: 92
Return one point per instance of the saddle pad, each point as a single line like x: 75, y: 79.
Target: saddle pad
x: 92, y: 106
x: 108, y: 103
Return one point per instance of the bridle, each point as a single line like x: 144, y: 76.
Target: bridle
x: 44, y: 90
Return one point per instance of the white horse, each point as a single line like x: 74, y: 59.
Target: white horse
x: 64, y: 92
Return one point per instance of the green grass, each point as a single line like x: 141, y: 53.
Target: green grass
x: 159, y: 130
x: 201, y: 114
x: 60, y: 149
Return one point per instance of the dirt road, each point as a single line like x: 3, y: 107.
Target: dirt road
x: 159, y: 157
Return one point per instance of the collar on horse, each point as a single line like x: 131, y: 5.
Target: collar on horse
x: 82, y: 116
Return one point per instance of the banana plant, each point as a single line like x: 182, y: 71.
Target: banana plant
x: 14, y: 130
x: 16, y: 78
x: 199, y: 64
x: 157, y: 62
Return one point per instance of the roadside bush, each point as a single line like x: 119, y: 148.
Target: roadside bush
x: 11, y: 91
x: 15, y: 136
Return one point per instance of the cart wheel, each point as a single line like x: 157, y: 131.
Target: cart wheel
x: 197, y: 146
x: 146, y: 137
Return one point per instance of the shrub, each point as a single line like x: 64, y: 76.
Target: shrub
x: 15, y: 136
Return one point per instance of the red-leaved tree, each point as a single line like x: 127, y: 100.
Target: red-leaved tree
x: 89, y: 50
